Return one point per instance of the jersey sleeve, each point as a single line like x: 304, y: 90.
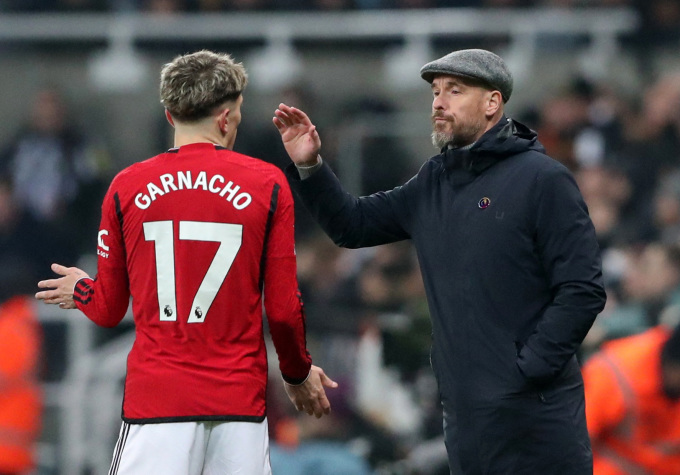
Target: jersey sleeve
x: 282, y: 299
x: 105, y: 299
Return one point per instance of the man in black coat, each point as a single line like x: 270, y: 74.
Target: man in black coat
x: 510, y: 263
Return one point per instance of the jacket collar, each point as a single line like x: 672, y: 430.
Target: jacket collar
x: 502, y: 140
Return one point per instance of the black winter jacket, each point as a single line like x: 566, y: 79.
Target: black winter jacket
x: 513, y: 277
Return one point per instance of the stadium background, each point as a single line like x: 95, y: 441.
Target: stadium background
x: 598, y: 79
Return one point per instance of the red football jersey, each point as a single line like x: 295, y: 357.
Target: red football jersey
x: 196, y: 236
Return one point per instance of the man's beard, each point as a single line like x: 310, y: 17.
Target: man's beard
x: 441, y: 139
x: 465, y: 136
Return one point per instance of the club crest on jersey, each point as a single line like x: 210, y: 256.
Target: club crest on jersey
x: 484, y: 203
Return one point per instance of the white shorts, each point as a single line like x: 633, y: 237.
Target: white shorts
x: 192, y: 448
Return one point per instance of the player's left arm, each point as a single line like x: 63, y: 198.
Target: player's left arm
x: 282, y: 299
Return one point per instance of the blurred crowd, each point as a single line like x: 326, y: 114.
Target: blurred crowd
x: 367, y: 316
x: 665, y: 10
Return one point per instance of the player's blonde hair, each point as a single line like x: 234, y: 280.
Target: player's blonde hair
x: 193, y: 85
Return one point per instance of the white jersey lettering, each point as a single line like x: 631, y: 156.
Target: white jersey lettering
x: 183, y: 181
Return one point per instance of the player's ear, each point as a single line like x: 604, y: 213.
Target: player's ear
x: 223, y: 120
x: 169, y: 117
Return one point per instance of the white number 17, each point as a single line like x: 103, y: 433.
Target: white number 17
x: 161, y: 233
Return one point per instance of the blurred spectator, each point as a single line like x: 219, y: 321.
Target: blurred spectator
x: 649, y: 150
x: 55, y: 172
x: 83, y: 5
x: 649, y: 284
x: 27, y: 246
x: 385, y: 162
x: 55, y: 5
x: 164, y: 6
x: 606, y: 191
x: 331, y: 4
x: 667, y: 208
x: 601, y: 136
x: 633, y: 404
x: 562, y: 117
x: 660, y: 28
x: 322, y: 272
x: 20, y: 394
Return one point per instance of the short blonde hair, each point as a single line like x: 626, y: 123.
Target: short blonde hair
x: 193, y: 85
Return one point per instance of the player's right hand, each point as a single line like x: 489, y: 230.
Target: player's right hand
x: 310, y: 396
x: 60, y: 291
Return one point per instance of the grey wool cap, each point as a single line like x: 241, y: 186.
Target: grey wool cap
x: 472, y: 63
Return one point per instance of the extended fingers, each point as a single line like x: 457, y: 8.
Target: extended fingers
x: 324, y: 405
x: 300, y: 116
x: 279, y: 124
x: 292, y: 115
x: 284, y: 117
x: 49, y: 283
x: 50, y: 297
x: 46, y: 294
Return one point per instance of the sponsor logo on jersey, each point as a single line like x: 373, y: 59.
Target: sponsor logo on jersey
x: 102, y: 249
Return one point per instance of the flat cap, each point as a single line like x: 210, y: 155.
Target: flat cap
x: 472, y: 63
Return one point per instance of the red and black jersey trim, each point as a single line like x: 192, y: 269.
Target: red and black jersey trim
x: 83, y: 292
x: 198, y: 418
x: 119, y: 215
x: 273, y: 203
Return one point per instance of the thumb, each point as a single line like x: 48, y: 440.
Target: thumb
x: 326, y: 381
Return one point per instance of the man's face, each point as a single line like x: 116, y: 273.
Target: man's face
x: 458, y: 116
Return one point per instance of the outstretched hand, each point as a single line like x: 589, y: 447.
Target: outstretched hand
x: 310, y: 396
x: 61, y: 292
x: 300, y: 137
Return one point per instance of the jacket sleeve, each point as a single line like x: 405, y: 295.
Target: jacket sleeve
x: 105, y: 299
x: 352, y: 222
x: 567, y: 248
x: 282, y: 299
